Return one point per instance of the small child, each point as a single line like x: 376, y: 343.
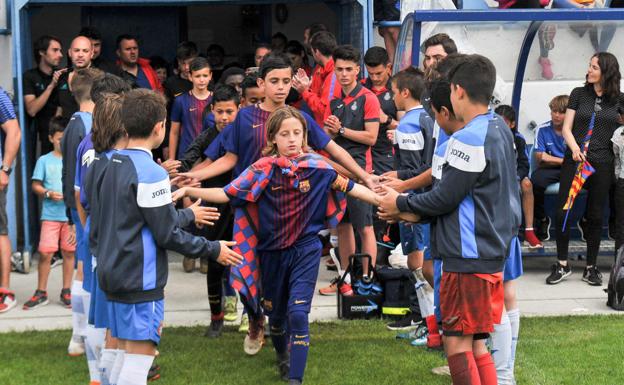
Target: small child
x: 252, y: 94
x: 189, y: 109
x: 139, y: 225
x: 47, y: 184
x: 225, y: 102
x: 509, y: 116
x: 290, y: 189
x: 618, y: 150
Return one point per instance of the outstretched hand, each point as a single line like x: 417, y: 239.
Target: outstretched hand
x: 171, y: 166
x: 227, y: 257
x: 204, y: 215
x: 387, y: 208
x: 178, y: 194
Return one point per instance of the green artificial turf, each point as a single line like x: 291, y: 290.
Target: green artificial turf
x: 556, y: 350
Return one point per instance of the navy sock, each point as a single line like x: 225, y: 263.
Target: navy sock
x: 279, y: 337
x: 300, y: 338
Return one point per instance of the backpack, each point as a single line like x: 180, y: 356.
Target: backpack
x: 615, y: 288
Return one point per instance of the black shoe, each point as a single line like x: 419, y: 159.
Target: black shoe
x: 40, y: 298
x: 592, y: 276
x: 154, y: 373
x: 410, y: 322
x: 215, y: 329
x: 582, y: 226
x: 283, y: 365
x: 558, y: 273
x: 66, y: 298
x: 542, y: 229
x: 57, y: 260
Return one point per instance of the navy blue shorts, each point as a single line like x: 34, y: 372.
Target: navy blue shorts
x: 413, y: 237
x: 513, y: 264
x: 137, y: 321
x: 289, y: 277
x: 98, y: 310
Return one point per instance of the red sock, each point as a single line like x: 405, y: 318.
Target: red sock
x: 464, y: 369
x: 487, y: 370
x: 217, y: 317
x: 434, y: 339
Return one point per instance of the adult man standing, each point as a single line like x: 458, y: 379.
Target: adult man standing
x: 98, y: 61
x: 10, y: 126
x: 80, y: 55
x: 135, y: 69
x: 40, y: 90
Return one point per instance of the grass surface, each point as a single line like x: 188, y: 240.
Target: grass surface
x: 563, y: 350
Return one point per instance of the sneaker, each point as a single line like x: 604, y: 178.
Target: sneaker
x: 40, y: 298
x: 57, y: 260
x: 558, y: 273
x: 420, y: 341
x: 215, y: 329
x: 283, y: 365
x: 534, y: 243
x: 76, y: 346
x: 229, y: 308
x: 542, y: 228
x: 582, y: 227
x: 66, y: 298
x: 7, y: 300
x: 154, y: 373
x: 547, y: 72
x: 188, y: 264
x: 244, y: 325
x: 592, y: 276
x: 442, y: 371
x: 410, y: 322
x: 346, y: 289
x: 255, y: 337
x: 292, y: 381
x: 203, y: 266
x: 332, y: 289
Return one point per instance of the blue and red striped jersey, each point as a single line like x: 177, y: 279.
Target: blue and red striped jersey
x: 190, y: 113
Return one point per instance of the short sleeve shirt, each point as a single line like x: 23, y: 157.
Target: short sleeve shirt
x: 7, y: 112
x: 65, y: 97
x: 190, y: 112
x: 354, y: 110
x: 549, y: 141
x: 582, y: 100
x: 35, y: 83
x: 246, y: 136
x: 382, y: 150
x: 48, y: 170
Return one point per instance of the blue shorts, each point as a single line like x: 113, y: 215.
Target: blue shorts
x: 289, y: 277
x: 437, y: 279
x: 513, y: 264
x: 98, y: 311
x: 137, y: 321
x: 413, y: 237
x: 82, y: 250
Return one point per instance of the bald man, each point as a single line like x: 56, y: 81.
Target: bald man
x: 80, y: 55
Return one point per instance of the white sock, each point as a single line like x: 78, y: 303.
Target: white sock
x: 116, y: 369
x: 79, y: 322
x: 333, y: 239
x: 135, y: 369
x: 106, y: 365
x: 92, y: 352
x: 424, y: 292
x: 501, y: 351
x: 514, y: 320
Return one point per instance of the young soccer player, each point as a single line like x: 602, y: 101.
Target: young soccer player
x: 413, y: 148
x: 78, y: 127
x: 354, y: 124
x: 225, y: 102
x: 549, y: 152
x: 189, y: 109
x: 471, y: 242
x: 289, y: 249
x: 242, y: 142
x: 509, y: 116
x: 48, y: 185
x: 252, y: 93
x: 139, y: 226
